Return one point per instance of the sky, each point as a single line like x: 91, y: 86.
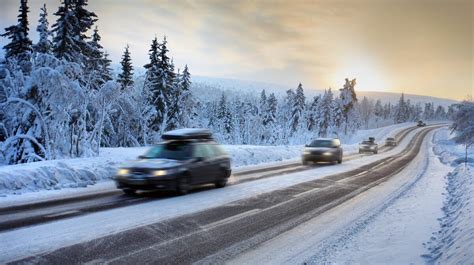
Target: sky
x: 422, y: 47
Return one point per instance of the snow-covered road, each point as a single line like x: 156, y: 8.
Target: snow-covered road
x: 38, y: 239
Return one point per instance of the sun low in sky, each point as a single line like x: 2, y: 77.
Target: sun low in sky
x: 415, y: 46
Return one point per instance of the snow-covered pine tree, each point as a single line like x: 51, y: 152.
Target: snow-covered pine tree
x: 366, y: 110
x: 313, y: 110
x: 188, y: 114
x: 440, y: 113
x: 20, y: 44
x: 378, y: 112
x: 125, y: 78
x: 325, y: 117
x: 44, y: 43
x: 401, y: 110
x: 463, y: 124
x: 224, y: 118
x: 85, y: 21
x: 347, y: 100
x: 66, y: 42
x: 297, y: 109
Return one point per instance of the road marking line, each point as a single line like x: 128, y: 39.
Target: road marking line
x: 230, y: 219
x: 62, y: 214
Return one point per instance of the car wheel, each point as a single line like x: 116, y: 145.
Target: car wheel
x: 221, y: 183
x: 129, y: 191
x: 376, y: 152
x: 183, y: 186
x: 339, y: 161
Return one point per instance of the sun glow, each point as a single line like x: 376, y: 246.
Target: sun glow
x: 369, y: 75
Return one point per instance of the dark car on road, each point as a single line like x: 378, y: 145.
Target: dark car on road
x: 368, y: 146
x: 185, y: 158
x: 323, y: 150
x: 390, y: 141
x: 421, y: 124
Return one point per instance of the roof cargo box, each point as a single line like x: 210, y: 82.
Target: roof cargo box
x: 187, y: 134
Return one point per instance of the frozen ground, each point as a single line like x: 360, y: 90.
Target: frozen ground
x: 84, y: 172
x: 38, y: 239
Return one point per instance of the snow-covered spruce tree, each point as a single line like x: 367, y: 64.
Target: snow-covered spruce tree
x: 297, y: 109
x: 347, y: 101
x: 187, y: 115
x: 85, y: 21
x: 97, y: 64
x: 312, y: 113
x: 125, y: 78
x: 20, y: 44
x: 325, y: 122
x: 428, y: 112
x: 401, y: 110
x: 270, y: 131
x: 463, y: 124
x: 66, y: 42
x: 379, y: 113
x: 440, y: 113
x: 44, y: 43
x: 366, y: 111
x: 224, y: 119
x: 153, y: 88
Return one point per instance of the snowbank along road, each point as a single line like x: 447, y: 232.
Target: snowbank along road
x: 219, y: 233
x: 50, y: 210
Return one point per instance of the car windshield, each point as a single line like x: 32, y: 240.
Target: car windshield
x: 366, y: 142
x: 322, y: 143
x: 391, y: 139
x: 177, y: 150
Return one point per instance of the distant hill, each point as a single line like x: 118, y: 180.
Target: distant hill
x: 211, y: 87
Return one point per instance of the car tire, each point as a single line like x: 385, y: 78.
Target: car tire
x: 339, y: 161
x: 221, y: 183
x: 376, y: 152
x: 183, y: 186
x: 129, y: 192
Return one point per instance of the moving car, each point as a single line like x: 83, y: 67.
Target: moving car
x: 421, y: 124
x: 369, y: 146
x: 390, y: 141
x: 323, y: 150
x: 186, y: 157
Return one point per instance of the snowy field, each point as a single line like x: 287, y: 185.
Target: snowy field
x: 84, y: 172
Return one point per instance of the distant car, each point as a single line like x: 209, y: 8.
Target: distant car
x: 186, y: 157
x: 323, y: 150
x: 421, y: 124
x: 369, y: 146
x: 390, y: 141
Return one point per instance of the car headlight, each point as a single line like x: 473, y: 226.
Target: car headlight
x: 159, y: 173
x: 123, y: 172
x: 327, y: 153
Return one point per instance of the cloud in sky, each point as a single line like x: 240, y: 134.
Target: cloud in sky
x: 419, y: 46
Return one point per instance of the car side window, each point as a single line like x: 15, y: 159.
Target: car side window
x: 202, y: 150
x: 217, y: 150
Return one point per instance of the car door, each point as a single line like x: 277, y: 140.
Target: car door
x: 202, y: 169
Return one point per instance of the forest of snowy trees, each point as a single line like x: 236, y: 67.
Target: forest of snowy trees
x: 60, y: 98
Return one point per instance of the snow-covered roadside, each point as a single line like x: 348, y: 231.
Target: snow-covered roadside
x: 84, y: 172
x: 387, y: 224
x: 38, y: 239
x: 454, y: 242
